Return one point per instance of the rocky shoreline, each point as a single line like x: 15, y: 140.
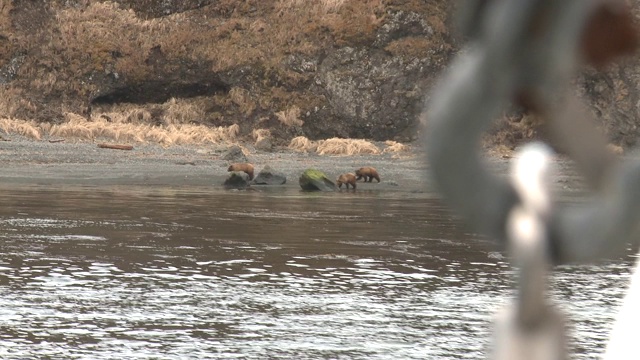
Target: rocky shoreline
x: 24, y: 161
x: 28, y: 162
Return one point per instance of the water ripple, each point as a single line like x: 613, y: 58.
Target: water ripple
x: 106, y: 275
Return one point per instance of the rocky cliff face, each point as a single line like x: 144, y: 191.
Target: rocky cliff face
x: 341, y: 68
x: 615, y: 100
x: 320, y: 69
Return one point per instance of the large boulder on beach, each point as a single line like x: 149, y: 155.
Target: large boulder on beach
x: 269, y: 176
x: 316, y: 180
x: 234, y: 154
x: 264, y: 144
x: 237, y: 180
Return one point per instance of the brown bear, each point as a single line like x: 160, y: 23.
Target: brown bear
x: 347, y: 179
x: 368, y: 173
x: 246, y: 167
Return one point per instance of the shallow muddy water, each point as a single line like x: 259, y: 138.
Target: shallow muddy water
x: 167, y: 273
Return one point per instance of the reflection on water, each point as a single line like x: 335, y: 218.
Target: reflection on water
x: 173, y: 273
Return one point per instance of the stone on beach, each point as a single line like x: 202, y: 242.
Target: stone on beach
x: 316, y: 180
x: 269, y: 176
x: 237, y: 180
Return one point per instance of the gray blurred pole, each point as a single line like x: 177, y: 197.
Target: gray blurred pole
x: 530, y: 328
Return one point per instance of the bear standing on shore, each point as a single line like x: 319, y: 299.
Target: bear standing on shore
x: 368, y: 173
x: 245, y: 167
x: 347, y: 179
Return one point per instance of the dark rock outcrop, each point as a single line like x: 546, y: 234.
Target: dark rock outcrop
x: 381, y: 103
x: 269, y: 176
x: 236, y: 180
x: 264, y: 144
x: 234, y: 154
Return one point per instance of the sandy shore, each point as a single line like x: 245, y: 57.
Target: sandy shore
x: 29, y: 162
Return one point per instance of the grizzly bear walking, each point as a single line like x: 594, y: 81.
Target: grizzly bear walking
x: 368, y: 173
x: 347, y: 179
x: 245, y: 167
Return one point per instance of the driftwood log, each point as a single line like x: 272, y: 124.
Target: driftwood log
x: 115, y: 146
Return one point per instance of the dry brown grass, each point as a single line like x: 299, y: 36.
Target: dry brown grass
x: 5, y: 30
x: 181, y: 111
x: 437, y: 24
x: 500, y: 150
x: 615, y: 149
x: 337, y: 146
x: 97, y: 32
x: 25, y: 128
x: 124, y: 114
x: 259, y: 134
x: 290, y: 117
x: 5, y: 8
x: 241, y: 98
x: 323, y: 6
x: 302, y: 144
x: 77, y: 127
x: 14, y: 104
x: 512, y: 130
x: 120, y: 127
x: 394, y: 146
x: 412, y: 47
x: 175, y: 111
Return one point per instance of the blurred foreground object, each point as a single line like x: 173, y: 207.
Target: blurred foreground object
x: 531, y: 328
x: 526, y: 52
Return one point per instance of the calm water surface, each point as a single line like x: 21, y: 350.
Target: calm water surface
x: 128, y: 273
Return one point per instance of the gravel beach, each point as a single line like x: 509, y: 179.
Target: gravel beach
x: 25, y: 161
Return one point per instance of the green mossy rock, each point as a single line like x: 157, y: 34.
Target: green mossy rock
x: 316, y: 180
